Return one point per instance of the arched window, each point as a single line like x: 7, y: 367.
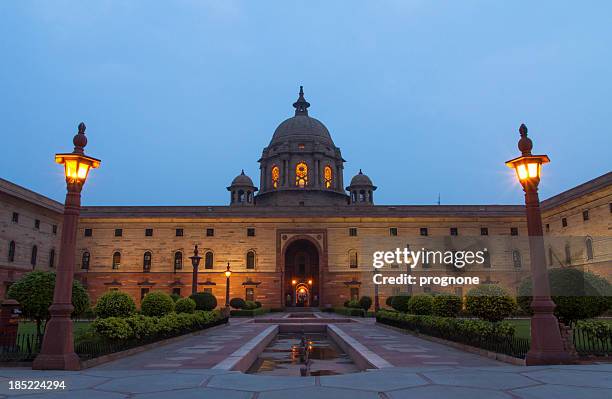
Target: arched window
x: 52, y: 258
x: 353, y: 259
x: 34, y: 256
x: 117, y: 260
x: 178, y: 260
x: 146, y: 261
x: 589, y: 248
x: 240, y: 196
x: 328, y: 176
x: 362, y: 195
x: 250, y: 260
x: 209, y: 260
x: 11, y: 251
x: 568, y: 254
x: 516, y: 259
x: 275, y: 176
x: 301, y: 174
x: 85, y: 260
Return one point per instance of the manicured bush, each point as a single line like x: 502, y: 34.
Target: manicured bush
x: 596, y: 328
x: 237, y: 303
x: 248, y: 312
x: 156, y: 304
x: 204, y: 300
x: 34, y: 292
x: 357, y: 311
x: 115, y: 304
x: 113, y: 328
x: 143, y: 327
x: 388, y: 301
x: 175, y: 297
x: 365, y: 303
x: 446, y: 305
x: 420, y: 304
x: 489, y: 302
x: 577, y: 294
x: 258, y: 304
x: 346, y: 303
x: 185, y: 305
x: 249, y: 305
x: 354, y: 304
x: 400, y: 303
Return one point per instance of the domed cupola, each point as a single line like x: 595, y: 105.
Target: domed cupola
x: 242, y: 191
x: 301, y: 165
x: 361, y: 190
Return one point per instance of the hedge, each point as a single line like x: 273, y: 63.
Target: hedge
x: 365, y: 303
x: 156, y: 304
x: 237, y: 303
x: 400, y: 303
x: 446, y: 305
x: 420, y: 304
x: 350, y: 311
x: 248, y: 312
x: 115, y: 304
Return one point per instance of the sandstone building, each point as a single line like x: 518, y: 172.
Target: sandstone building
x: 302, y: 237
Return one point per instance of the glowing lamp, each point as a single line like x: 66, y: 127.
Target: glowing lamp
x: 528, y: 167
x: 309, y: 282
x: 228, y: 272
x: 293, y: 282
x: 77, y: 164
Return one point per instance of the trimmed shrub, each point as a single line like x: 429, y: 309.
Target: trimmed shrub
x: 584, y: 295
x: 597, y: 328
x: 346, y: 303
x: 400, y: 303
x: 204, y: 301
x: 237, y: 303
x: 185, y: 305
x: 446, y: 305
x: 175, y: 297
x: 420, y: 304
x: 143, y: 327
x: 365, y: 303
x: 156, y: 304
x: 113, y: 328
x: 250, y: 305
x: 350, y: 311
x: 248, y: 312
x: 258, y: 304
x: 388, y: 301
x: 353, y: 304
x: 489, y: 302
x: 115, y: 304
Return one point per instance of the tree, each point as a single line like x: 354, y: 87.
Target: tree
x: 34, y: 292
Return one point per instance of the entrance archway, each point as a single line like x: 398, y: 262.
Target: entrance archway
x: 301, y: 274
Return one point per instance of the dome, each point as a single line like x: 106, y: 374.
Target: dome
x: 361, y: 180
x: 301, y: 126
x: 242, y: 180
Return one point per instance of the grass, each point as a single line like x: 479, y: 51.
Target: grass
x: 523, y: 327
x: 29, y: 327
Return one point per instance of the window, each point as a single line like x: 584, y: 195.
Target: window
x: 250, y: 294
x: 301, y: 146
x: 514, y: 231
x: 54, y: 229
x: 454, y: 231
x: 301, y: 174
x: 52, y: 258
x: 487, y: 259
x: 354, y: 293
x: 550, y: 256
x: 118, y: 232
x: 425, y: 259
x: 179, y: 232
x: 85, y: 260
x: 353, y: 259
x: 16, y: 216
x: 516, y: 259
x: 564, y: 222
x: 88, y: 232
x: 36, y: 224
x: 176, y: 291
x: 146, y: 262
x: 424, y: 231
x: 209, y: 260
x: 251, y: 232
x: 484, y: 231
x: 353, y: 232
x: 589, y: 248
x: 568, y: 254
x: 327, y: 175
x: 11, y: 252
x: 393, y: 231
x: 148, y: 232
x: 275, y: 176
x: 210, y: 232
x: 178, y: 260
x: 34, y: 256
x: 143, y: 293
x: 547, y: 227
x: 250, y: 260
x: 116, y: 260
x: 585, y: 215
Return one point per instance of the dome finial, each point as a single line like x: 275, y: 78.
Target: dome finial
x: 242, y: 172
x: 301, y: 105
x: 360, y: 172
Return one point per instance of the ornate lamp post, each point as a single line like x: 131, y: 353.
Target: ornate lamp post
x: 546, y: 343
x: 57, y: 352
x: 376, y: 299
x: 228, y: 273
x: 195, y: 262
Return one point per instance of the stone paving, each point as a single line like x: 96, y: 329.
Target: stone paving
x: 423, y: 370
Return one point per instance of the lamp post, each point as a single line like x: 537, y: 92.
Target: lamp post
x: 195, y: 262
x: 546, y: 343
x: 228, y: 273
x: 57, y: 352
x: 376, y: 299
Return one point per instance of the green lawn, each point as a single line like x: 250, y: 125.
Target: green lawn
x: 29, y: 327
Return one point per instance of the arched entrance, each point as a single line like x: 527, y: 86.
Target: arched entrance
x: 301, y: 274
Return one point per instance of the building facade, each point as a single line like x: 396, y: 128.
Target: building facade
x: 302, y: 238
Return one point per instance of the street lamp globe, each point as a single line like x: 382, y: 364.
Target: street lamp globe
x: 77, y: 164
x: 228, y: 272
x: 528, y: 167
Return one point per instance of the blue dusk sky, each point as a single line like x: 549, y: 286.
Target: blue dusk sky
x: 425, y: 96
